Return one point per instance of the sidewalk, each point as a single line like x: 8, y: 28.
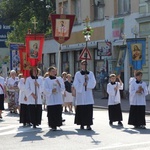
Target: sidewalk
x: 103, y: 103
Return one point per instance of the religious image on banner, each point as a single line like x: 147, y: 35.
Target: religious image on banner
x: 26, y: 64
x: 136, y: 48
x: 34, y: 48
x: 120, y: 61
x: 15, y: 60
x: 14, y: 56
x: 136, y: 51
x: 62, y: 28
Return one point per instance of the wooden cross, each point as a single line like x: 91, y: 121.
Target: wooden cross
x: 35, y: 23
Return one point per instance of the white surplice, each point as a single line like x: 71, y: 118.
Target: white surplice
x: 84, y: 97
x: 22, y: 89
x: 49, y: 85
x: 114, y: 96
x: 30, y: 88
x: 138, y: 98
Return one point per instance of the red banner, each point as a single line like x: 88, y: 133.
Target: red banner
x: 34, y: 48
x: 24, y: 64
x: 62, y: 26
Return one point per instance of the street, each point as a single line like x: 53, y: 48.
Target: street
x: 69, y: 137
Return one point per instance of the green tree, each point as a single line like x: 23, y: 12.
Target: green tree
x: 21, y: 13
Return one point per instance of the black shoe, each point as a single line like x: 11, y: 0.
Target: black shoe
x: 81, y: 127
x: 120, y: 123
x: 89, y: 128
x: 142, y: 127
x: 136, y: 127
x: 54, y: 129
x: 34, y: 126
x: 24, y: 124
x: 29, y: 124
x: 110, y: 123
x: 63, y: 120
x: 1, y: 117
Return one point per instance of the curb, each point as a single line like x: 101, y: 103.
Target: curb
x: 103, y: 107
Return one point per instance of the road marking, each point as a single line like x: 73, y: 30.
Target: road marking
x: 119, y: 145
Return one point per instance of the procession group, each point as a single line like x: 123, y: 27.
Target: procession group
x: 57, y: 92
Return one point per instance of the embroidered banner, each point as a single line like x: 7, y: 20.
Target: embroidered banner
x: 62, y: 26
x: 14, y: 56
x: 136, y: 49
x: 121, y: 58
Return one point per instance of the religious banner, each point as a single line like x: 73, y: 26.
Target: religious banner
x: 14, y: 56
x: 34, y: 47
x: 136, y: 48
x: 62, y: 26
x: 121, y: 58
x: 24, y: 64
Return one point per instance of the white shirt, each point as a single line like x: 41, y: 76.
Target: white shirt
x: 12, y: 83
x: 2, y: 82
x: 54, y: 98
x: 22, y: 89
x: 84, y: 97
x: 30, y: 88
x: 138, y: 98
x: 114, y: 96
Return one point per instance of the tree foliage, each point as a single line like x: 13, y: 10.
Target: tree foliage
x: 21, y: 13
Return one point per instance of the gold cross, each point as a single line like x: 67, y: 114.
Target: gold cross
x: 87, y: 20
x: 35, y: 23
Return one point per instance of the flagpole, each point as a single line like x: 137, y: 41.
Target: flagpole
x: 87, y: 38
x: 60, y: 45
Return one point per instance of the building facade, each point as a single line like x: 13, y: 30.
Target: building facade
x: 112, y: 22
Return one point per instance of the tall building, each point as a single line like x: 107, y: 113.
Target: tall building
x: 112, y: 22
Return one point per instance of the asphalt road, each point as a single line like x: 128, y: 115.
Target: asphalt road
x: 69, y: 137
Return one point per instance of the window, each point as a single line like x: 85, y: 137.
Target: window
x: 144, y: 7
x: 65, y: 62
x: 52, y: 60
x: 65, y: 7
x: 98, y: 9
x: 77, y: 61
x: 76, y: 9
x: 123, y: 7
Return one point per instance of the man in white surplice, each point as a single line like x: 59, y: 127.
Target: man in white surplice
x: 84, y: 82
x: 53, y: 89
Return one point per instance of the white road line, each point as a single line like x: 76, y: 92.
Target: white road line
x: 120, y: 146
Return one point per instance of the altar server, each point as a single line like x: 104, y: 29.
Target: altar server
x: 53, y: 89
x: 138, y: 92
x: 34, y: 90
x: 114, y: 107
x: 24, y: 111
x: 84, y: 82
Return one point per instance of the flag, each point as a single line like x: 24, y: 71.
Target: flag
x: 136, y: 49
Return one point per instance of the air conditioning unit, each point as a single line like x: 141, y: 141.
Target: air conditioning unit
x: 99, y: 3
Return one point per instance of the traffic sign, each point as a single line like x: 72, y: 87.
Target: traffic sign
x: 85, y: 54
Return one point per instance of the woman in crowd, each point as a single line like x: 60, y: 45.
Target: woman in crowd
x: 13, y: 90
x: 68, y: 98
